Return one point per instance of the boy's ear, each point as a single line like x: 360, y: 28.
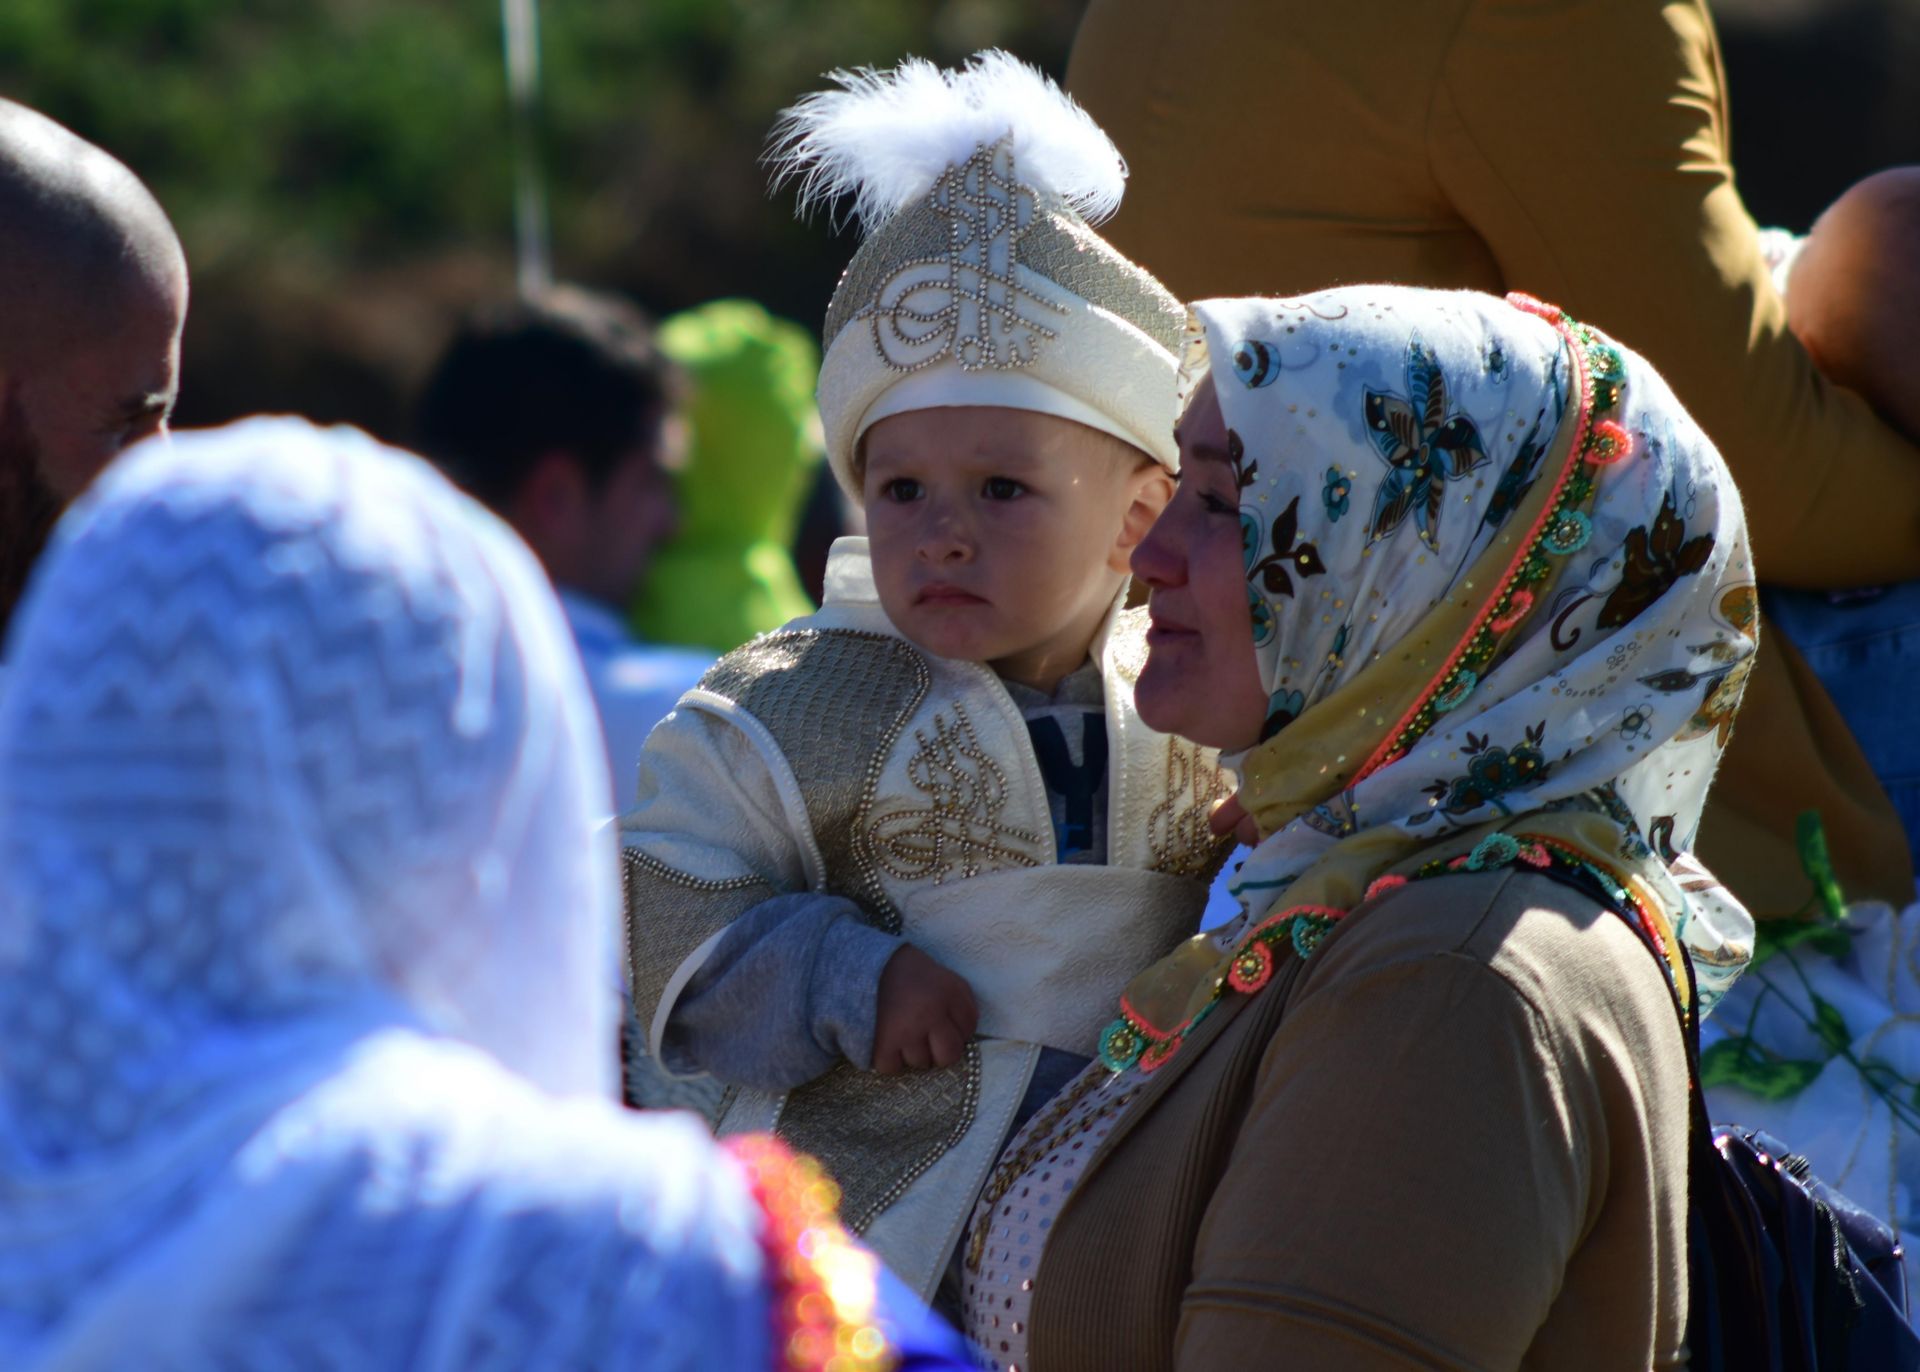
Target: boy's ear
x: 1150, y: 489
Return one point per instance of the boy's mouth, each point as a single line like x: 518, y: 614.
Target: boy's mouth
x: 940, y: 593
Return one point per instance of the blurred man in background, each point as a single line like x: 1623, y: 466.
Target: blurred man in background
x: 93, y: 295
x: 559, y: 413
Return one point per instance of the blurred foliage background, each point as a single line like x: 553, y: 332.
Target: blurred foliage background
x: 341, y: 171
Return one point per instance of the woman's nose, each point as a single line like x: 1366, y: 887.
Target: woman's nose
x: 1159, y: 559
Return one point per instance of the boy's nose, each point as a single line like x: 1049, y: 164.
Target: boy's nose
x: 945, y: 540
x: 945, y: 549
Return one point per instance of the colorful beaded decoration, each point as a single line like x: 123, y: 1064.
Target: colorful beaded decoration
x: 1561, y: 530
x: 1129, y: 1040
x: 824, y: 1285
x: 1545, y: 854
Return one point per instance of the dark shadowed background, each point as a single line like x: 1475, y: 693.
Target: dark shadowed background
x: 341, y: 169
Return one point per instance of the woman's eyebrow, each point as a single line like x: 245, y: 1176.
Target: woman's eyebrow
x: 1206, y: 452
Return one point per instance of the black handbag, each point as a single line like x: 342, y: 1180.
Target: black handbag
x: 1785, y: 1273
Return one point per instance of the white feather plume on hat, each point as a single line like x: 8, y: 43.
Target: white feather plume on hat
x: 885, y: 137
x: 980, y: 280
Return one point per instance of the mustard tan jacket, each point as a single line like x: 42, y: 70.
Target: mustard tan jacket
x: 1456, y: 1138
x: 1575, y: 150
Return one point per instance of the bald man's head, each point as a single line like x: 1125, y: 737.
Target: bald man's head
x: 93, y: 291
x: 1853, y: 295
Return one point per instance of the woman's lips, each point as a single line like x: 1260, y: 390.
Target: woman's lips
x: 1167, y: 631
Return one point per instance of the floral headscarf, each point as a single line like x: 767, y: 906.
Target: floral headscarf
x: 1499, y: 581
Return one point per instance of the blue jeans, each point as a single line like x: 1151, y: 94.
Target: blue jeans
x: 1865, y: 648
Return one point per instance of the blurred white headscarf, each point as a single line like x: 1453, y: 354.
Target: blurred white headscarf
x: 298, y: 779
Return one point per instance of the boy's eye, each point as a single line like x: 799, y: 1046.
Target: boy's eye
x: 1002, y: 488
x: 901, y: 490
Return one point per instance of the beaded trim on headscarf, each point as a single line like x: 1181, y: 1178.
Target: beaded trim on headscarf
x: 1130, y: 1041
x: 823, y: 1284
x: 1560, y: 531
x: 1544, y: 852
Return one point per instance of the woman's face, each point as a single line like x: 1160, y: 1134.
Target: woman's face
x: 1201, y: 679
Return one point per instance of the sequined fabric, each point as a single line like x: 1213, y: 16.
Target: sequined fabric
x: 817, y: 691
x: 998, y: 1298
x: 901, y: 781
x: 1063, y: 249
x: 669, y: 912
x: 916, y: 236
x: 879, y: 1133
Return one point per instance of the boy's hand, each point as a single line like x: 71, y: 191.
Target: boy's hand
x: 924, y: 1017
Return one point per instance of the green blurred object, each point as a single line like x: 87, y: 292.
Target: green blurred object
x: 727, y: 574
x: 1810, y: 835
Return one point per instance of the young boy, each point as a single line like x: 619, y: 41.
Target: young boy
x: 892, y: 864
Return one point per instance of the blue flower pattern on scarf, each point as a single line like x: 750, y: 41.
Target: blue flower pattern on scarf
x: 1336, y: 494
x: 1424, y: 446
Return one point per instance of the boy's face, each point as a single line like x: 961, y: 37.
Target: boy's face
x: 1001, y: 536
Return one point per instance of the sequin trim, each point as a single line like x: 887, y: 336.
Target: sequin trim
x: 835, y: 702
x: 1127, y: 644
x: 1055, y: 244
x: 968, y: 302
x: 1180, y: 842
x: 669, y: 913
x: 824, y: 1286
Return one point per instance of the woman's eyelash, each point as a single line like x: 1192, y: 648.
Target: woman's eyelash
x: 1213, y: 504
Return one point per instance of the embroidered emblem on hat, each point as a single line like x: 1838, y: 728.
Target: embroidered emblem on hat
x: 967, y: 303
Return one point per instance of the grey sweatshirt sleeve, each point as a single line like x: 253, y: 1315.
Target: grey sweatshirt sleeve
x: 786, y: 993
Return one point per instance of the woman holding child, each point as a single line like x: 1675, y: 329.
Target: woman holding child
x: 1426, y: 1102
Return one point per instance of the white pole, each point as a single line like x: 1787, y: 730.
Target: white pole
x: 520, y: 20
